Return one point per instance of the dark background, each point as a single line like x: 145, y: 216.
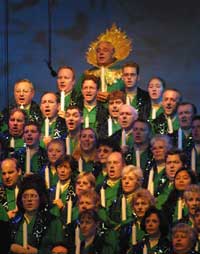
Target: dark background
x: 165, y: 35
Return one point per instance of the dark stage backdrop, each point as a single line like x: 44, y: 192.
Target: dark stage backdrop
x: 165, y: 35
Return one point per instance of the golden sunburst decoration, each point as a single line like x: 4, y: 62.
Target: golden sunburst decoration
x: 119, y: 40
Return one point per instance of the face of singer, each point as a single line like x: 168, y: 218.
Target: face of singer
x: 159, y: 150
x: 185, y: 114
x: 152, y: 224
x: 10, y: 173
x: 196, y: 130
x: 16, y: 123
x: 82, y: 184
x: 114, y: 165
x: 54, y: 152
x: 126, y: 117
x: 73, y: 119
x: 85, y: 203
x: 49, y: 105
x: 105, y: 53
x: 170, y: 100
x: 192, y: 202
x: 87, y: 140
x: 103, y: 152
x: 140, y: 133
x: 130, y: 77
x: 140, y: 206
x: 89, y: 91
x: 129, y: 182
x: 113, y: 107
x: 65, y: 80
x: 31, y: 136
x: 182, y: 180
x: 155, y: 89
x: 88, y: 226
x: 30, y: 200
x: 23, y: 93
x: 181, y: 242
x: 173, y: 163
x: 64, y: 171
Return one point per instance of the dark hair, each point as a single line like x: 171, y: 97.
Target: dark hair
x: 163, y: 225
x: 36, y: 124
x: 182, y: 155
x: 13, y: 110
x: 197, y: 117
x: 36, y: 182
x: 90, y: 77
x: 117, y: 94
x: 110, y: 143
x: 90, y: 213
x: 190, y: 173
x: 74, y: 107
x: 132, y: 64
x: 160, y: 79
x: 3, y: 149
x: 67, y: 158
x: 194, y: 108
x: 197, y: 210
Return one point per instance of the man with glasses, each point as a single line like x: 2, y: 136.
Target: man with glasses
x: 23, y: 95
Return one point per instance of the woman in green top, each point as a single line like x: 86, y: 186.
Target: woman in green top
x: 66, y: 169
x: 131, y: 181
x: 141, y: 202
x: 55, y: 150
x: 35, y: 229
x: 156, y: 229
x: 95, y: 239
x: 184, y: 238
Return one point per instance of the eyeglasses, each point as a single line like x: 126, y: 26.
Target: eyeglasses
x: 30, y: 196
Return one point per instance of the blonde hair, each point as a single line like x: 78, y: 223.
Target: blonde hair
x: 90, y: 177
x: 136, y: 171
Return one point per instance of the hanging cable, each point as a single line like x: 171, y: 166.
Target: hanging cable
x: 49, y: 61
